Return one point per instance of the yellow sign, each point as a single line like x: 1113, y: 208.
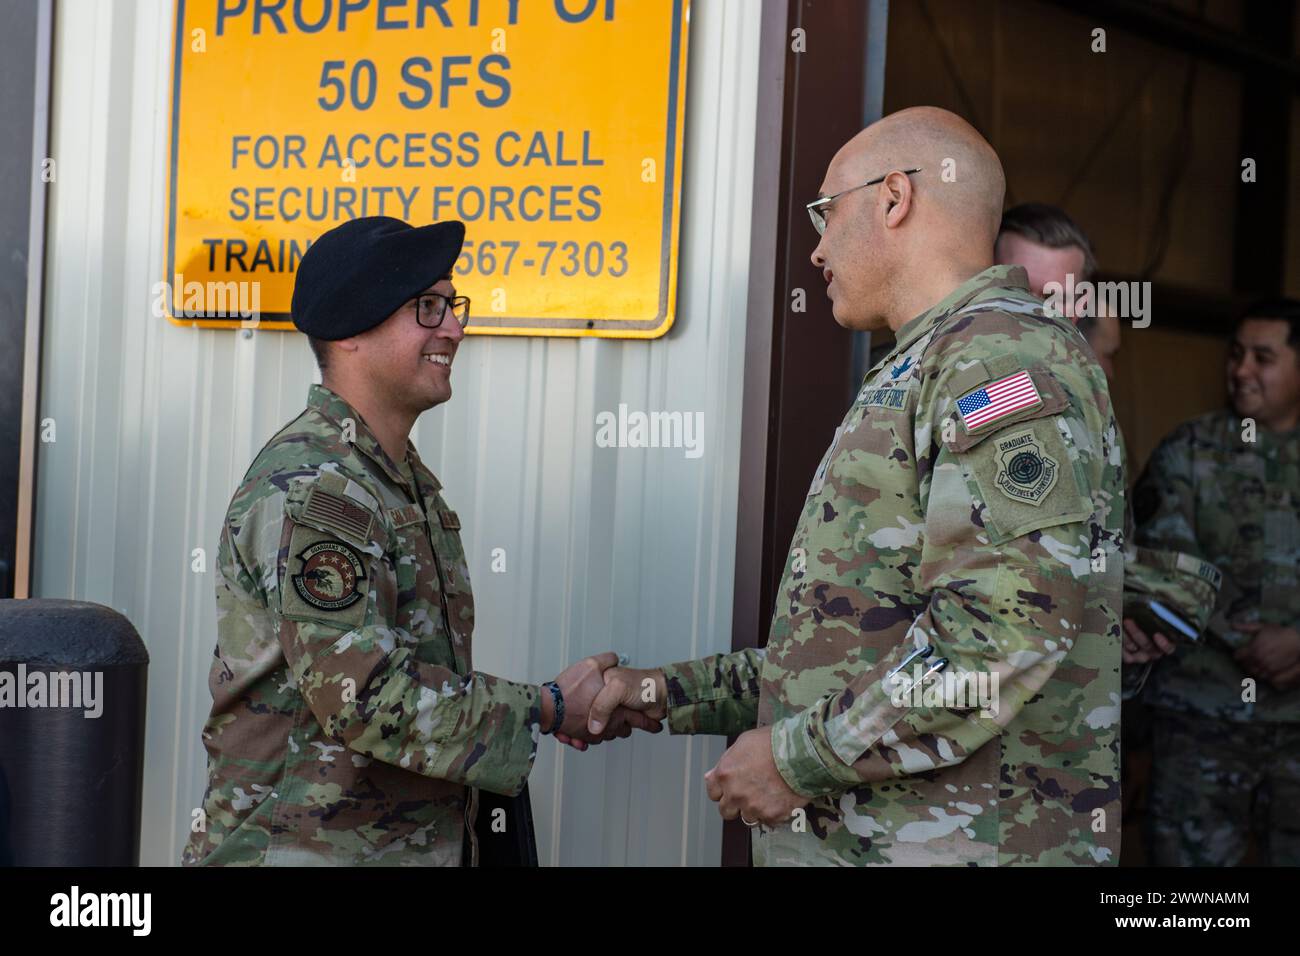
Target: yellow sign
x: 551, y: 128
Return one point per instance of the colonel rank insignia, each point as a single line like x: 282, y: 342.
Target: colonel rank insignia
x: 1024, y: 472
x: 331, y: 572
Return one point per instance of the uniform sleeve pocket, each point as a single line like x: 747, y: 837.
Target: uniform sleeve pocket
x: 333, y: 543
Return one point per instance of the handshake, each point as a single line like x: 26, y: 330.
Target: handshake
x: 603, y: 701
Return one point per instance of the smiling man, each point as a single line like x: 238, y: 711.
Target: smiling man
x: 964, y: 525
x: 1226, y: 711
x: 348, y: 725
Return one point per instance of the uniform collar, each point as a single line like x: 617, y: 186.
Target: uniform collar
x: 994, y: 277
x: 332, y: 406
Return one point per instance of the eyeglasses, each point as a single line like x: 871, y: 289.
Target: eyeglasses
x: 431, y: 309
x: 817, y: 208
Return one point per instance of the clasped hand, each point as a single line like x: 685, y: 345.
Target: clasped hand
x: 1272, y: 654
x: 581, y: 684
x: 745, y: 783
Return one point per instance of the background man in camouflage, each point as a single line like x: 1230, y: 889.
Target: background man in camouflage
x: 348, y: 724
x: 1226, y: 711
x: 966, y: 520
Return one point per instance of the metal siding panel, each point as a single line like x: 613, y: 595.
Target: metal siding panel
x: 624, y: 548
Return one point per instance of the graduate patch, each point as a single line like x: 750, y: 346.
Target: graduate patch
x: 331, y: 575
x: 1025, y: 472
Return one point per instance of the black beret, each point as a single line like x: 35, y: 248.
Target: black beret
x: 360, y: 272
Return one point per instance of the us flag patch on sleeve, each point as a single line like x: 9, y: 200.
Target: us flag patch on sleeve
x: 337, y: 513
x: 993, y: 402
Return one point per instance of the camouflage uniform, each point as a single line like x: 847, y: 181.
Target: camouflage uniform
x: 348, y: 725
x: 996, y: 549
x: 1235, y: 503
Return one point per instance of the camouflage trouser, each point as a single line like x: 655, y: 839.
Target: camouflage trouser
x: 1213, y: 782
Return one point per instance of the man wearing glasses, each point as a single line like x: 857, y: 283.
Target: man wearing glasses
x: 348, y: 724
x: 941, y: 682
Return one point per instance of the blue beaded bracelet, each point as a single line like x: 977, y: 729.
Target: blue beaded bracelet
x: 558, y: 697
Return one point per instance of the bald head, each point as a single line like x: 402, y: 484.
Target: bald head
x: 896, y: 243
x: 961, y: 184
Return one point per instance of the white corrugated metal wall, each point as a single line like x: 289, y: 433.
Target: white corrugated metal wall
x: 154, y: 426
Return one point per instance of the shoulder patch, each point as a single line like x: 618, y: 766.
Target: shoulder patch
x: 338, y: 506
x: 1026, y: 480
x: 332, y: 512
x: 330, y: 575
x: 991, y: 403
x: 1025, y: 472
x: 1022, y: 395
